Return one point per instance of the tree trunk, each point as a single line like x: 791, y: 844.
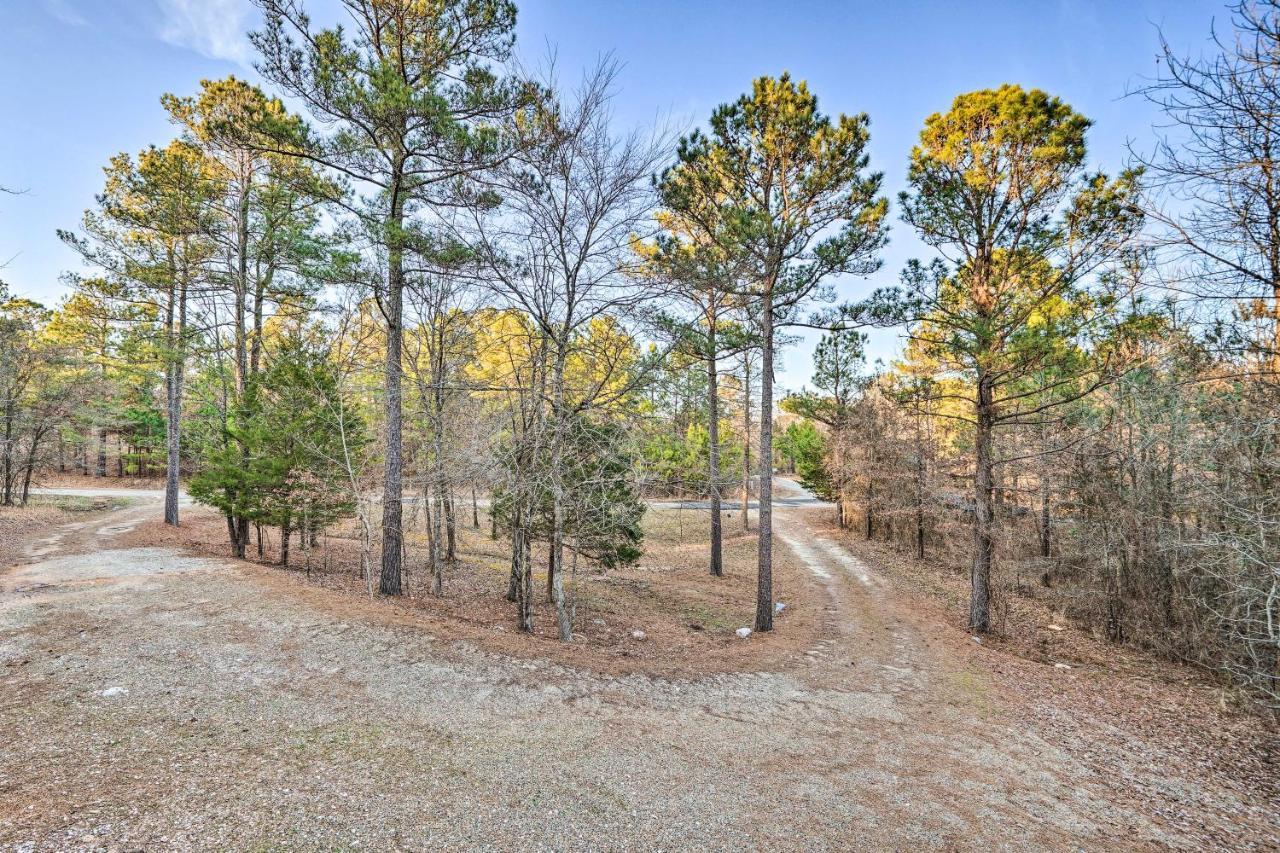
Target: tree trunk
x: 920, y: 506
x: 563, y: 623
x: 176, y: 369
x: 746, y: 441
x: 450, y: 528
x: 523, y: 576
x: 713, y: 455
x: 9, y: 417
x: 392, y: 487
x: 475, y: 509
x: 237, y: 532
x: 983, y: 539
x: 241, y: 284
x: 551, y: 574
x: 433, y: 547
x: 101, y: 469
x: 26, y: 481
x: 285, y: 533
x: 29, y: 466
x: 764, y: 550
x: 1046, y: 531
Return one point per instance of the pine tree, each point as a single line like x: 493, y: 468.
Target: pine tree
x: 786, y: 188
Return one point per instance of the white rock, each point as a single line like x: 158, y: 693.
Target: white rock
x: 779, y: 607
x: 743, y: 633
x: 1062, y: 666
x: 637, y: 634
x: 977, y: 640
x: 114, y: 691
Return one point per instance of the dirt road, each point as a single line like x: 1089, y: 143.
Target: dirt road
x: 156, y: 700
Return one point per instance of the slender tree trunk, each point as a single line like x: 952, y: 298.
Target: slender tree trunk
x: 475, y: 508
x: 29, y: 466
x: 983, y: 538
x: 62, y: 459
x: 176, y: 374
x: 746, y: 441
x: 119, y: 456
x: 713, y: 455
x: 1046, y: 530
x: 551, y: 574
x: 101, y: 469
x: 285, y: 533
x: 241, y: 284
x: 434, y: 547
x: 764, y: 551
x: 920, y: 473
x: 523, y: 575
x: 26, y: 480
x: 441, y: 514
x: 9, y: 416
x: 392, y: 486
x: 563, y: 623
x: 450, y: 528
x: 239, y: 527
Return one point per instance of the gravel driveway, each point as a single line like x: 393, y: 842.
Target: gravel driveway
x: 157, y: 700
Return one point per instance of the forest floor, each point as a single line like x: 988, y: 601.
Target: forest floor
x: 158, y: 695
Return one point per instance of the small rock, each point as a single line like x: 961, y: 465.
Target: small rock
x: 1055, y: 627
x: 779, y: 607
x: 638, y: 635
x: 977, y: 640
x: 114, y: 691
x: 1062, y: 666
x: 743, y: 633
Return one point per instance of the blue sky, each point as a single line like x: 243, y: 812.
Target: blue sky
x: 83, y: 78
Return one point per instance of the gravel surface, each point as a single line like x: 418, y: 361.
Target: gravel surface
x: 156, y: 700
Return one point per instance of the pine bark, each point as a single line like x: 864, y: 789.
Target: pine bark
x: 764, y: 550
x: 983, y: 538
x: 392, y: 485
x: 713, y: 457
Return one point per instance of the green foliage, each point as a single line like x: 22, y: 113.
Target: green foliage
x: 603, y: 507
x: 783, y: 187
x: 677, y: 464
x: 279, y: 458
x: 803, y: 442
x: 837, y: 367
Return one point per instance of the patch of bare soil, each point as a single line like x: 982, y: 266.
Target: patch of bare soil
x: 688, y: 619
x: 1167, y: 738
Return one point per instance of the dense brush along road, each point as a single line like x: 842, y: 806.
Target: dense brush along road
x: 154, y: 699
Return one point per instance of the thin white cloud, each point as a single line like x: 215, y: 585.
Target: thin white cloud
x: 65, y: 12
x: 214, y: 28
